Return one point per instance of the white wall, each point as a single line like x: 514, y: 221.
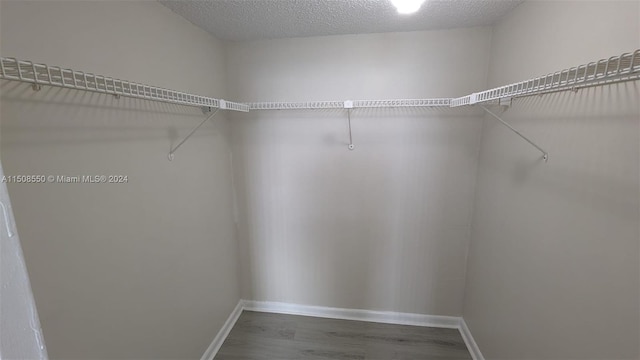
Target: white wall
x: 385, y: 226
x: 145, y: 269
x: 553, y: 268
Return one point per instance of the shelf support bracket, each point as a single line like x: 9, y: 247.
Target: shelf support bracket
x: 349, y: 105
x: 545, y: 155
x: 173, y: 150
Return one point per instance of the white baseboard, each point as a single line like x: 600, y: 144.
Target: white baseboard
x: 215, y: 345
x: 469, y: 341
x: 387, y: 317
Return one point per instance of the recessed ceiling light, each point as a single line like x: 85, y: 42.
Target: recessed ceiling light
x: 407, y: 6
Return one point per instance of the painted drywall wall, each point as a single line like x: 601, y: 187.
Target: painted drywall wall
x: 143, y: 269
x: 383, y: 227
x: 553, y: 267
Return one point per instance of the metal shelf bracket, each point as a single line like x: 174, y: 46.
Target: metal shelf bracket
x: 349, y: 105
x: 545, y: 155
x: 205, y: 110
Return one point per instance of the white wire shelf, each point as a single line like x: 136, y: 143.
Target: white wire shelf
x: 308, y: 105
x: 625, y: 67
x: 615, y: 69
x: 401, y: 103
x: 312, y: 105
x: 41, y: 74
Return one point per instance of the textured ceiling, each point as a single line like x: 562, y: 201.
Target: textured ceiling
x: 238, y: 20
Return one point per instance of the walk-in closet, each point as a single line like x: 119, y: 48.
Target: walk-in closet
x: 320, y: 179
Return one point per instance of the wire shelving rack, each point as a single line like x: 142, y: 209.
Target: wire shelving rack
x: 625, y: 67
x: 354, y: 104
x: 41, y: 74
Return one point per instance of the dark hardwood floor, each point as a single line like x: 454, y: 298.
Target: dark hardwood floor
x: 261, y: 336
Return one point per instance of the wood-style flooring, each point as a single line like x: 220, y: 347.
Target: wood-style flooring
x: 261, y: 336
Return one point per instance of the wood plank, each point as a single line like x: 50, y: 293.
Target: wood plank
x: 262, y: 336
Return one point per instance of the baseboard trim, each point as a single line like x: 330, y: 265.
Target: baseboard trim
x: 469, y: 341
x: 215, y: 345
x: 387, y: 317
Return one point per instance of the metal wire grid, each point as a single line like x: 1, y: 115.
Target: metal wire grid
x: 401, y: 103
x: 296, y: 105
x: 355, y: 104
x: 465, y: 100
x: 615, y: 69
x: 41, y: 74
x: 230, y: 105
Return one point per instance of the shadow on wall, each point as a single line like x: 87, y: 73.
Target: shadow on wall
x: 107, y: 119
x: 382, y: 227
x: 563, y: 123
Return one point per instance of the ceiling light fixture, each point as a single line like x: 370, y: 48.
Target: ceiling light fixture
x: 407, y: 6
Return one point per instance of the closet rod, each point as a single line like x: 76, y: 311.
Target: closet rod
x: 41, y: 74
x: 625, y: 67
